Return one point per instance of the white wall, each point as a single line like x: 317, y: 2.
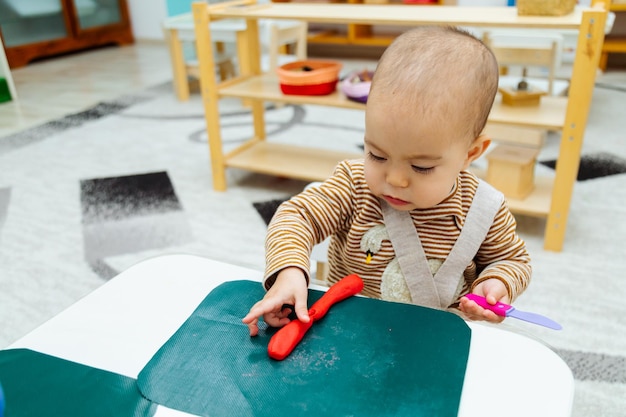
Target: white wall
x: 146, y: 17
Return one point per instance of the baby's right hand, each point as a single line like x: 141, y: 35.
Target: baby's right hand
x: 290, y: 288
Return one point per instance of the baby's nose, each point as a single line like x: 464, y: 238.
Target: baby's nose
x: 396, y: 177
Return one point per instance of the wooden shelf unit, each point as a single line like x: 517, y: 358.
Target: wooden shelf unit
x: 551, y: 197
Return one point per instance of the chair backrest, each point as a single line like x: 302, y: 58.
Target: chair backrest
x: 527, y: 50
x: 284, y: 33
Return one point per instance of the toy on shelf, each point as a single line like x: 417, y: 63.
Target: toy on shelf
x: 356, y: 85
x: 523, y: 95
x: 309, y: 77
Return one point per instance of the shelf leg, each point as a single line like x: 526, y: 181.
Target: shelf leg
x: 179, y: 72
x: 604, y: 61
x: 208, y: 89
x: 588, y: 51
x: 250, y: 40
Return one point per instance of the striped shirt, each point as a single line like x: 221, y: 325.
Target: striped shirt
x: 343, y: 207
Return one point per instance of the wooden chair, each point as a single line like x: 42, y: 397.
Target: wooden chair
x: 526, y: 50
x: 523, y: 50
x: 282, y: 34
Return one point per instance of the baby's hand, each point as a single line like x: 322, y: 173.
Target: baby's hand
x: 494, y: 291
x: 289, y: 288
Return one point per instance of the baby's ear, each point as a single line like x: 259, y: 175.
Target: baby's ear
x: 476, y: 149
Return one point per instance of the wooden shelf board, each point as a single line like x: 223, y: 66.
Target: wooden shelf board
x: 316, y: 164
x: 401, y: 15
x: 266, y: 87
x: 374, y: 40
x: 309, y: 164
x: 329, y: 38
x: 614, y: 44
x: 537, y: 204
x: 550, y: 114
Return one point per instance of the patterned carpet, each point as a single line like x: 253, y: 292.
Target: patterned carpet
x: 85, y: 197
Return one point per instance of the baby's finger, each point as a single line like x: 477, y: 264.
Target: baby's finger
x: 276, y: 320
x: 471, y: 309
x: 475, y: 312
x: 253, y: 327
x: 491, y: 316
x: 263, y: 307
x: 255, y: 312
x: 252, y: 318
x: 301, y: 309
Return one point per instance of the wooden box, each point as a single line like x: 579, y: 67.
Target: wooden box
x: 511, y: 169
x: 545, y: 7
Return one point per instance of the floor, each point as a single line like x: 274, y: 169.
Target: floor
x: 53, y: 88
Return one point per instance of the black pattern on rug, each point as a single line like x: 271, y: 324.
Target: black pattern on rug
x: 266, y: 209
x: 39, y: 133
x: 595, y: 165
x: 589, y: 366
x: 133, y: 195
x: 129, y: 214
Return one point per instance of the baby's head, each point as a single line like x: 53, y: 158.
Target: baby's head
x: 429, y: 101
x: 439, y: 72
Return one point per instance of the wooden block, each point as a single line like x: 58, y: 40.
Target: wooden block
x: 511, y: 169
x: 512, y: 97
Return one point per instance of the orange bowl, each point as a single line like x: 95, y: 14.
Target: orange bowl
x: 309, y: 73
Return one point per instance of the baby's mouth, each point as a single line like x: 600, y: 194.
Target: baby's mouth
x: 395, y: 201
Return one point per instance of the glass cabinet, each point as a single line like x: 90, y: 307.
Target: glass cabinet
x: 31, y: 29
x: 93, y: 13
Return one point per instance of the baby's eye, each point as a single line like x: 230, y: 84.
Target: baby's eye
x: 422, y: 170
x: 376, y: 158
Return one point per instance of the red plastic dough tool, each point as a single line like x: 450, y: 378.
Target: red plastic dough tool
x: 287, y: 338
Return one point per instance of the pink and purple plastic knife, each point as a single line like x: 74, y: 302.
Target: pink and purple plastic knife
x: 506, y: 310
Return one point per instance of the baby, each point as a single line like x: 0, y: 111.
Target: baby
x: 408, y: 218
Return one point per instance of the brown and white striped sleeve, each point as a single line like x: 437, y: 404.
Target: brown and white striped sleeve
x: 503, y: 255
x: 306, y: 220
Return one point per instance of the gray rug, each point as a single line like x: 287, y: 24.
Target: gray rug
x: 87, y: 196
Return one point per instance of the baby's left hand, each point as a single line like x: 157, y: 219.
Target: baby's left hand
x: 494, y: 291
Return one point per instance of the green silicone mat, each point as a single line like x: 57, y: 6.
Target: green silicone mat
x: 365, y: 358
x: 38, y: 385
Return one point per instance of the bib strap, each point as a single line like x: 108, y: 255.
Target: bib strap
x: 441, y: 290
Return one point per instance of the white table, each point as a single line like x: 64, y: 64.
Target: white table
x: 122, y: 324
